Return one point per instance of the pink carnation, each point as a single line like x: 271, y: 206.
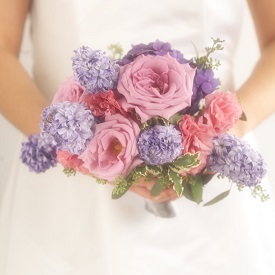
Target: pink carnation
x: 155, y: 86
x: 197, y: 137
x: 71, y: 161
x: 102, y: 103
x: 222, y: 110
x: 112, y: 152
x: 70, y: 90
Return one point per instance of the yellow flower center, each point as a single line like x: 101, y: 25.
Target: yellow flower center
x: 116, y: 147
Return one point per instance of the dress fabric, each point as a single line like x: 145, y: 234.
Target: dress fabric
x: 51, y: 224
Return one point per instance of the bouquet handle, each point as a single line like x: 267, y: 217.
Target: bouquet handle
x: 160, y: 209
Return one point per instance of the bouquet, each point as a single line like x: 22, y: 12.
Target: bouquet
x: 151, y: 113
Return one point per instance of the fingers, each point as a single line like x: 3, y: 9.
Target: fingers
x: 145, y: 191
x: 143, y: 188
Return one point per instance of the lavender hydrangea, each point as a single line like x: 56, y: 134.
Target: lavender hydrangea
x: 70, y: 124
x: 236, y: 160
x: 39, y: 152
x: 160, y: 145
x: 204, y: 84
x: 153, y: 48
x: 94, y: 70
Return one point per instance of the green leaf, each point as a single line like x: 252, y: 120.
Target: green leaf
x: 178, y: 188
x: 175, y: 119
x: 141, y: 170
x: 120, y: 190
x: 185, y: 162
x: 154, y: 170
x: 187, y: 189
x: 218, y: 198
x: 155, y: 120
x: 164, y: 178
x: 243, y: 117
x: 196, y: 186
x: 174, y: 177
x: 206, y: 178
x: 176, y: 180
x: 157, y: 188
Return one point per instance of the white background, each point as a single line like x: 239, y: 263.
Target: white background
x: 246, y: 57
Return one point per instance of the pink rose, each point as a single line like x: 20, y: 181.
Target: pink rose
x: 70, y: 90
x: 112, y: 152
x: 155, y: 86
x: 102, y: 103
x: 197, y: 137
x: 71, y: 161
x: 222, y: 110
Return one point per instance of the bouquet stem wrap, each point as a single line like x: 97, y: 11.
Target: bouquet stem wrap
x: 160, y: 209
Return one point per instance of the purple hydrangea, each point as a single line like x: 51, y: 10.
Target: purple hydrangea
x: 160, y: 145
x: 204, y: 84
x: 94, y: 70
x: 70, y: 124
x: 39, y: 152
x: 236, y: 160
x: 153, y: 48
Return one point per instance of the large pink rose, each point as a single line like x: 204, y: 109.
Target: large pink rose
x: 70, y: 90
x: 222, y: 110
x: 156, y: 85
x: 112, y: 152
x: 197, y: 137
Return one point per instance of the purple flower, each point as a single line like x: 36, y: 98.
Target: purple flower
x: 204, y: 84
x: 236, y: 160
x: 153, y: 48
x: 94, y: 70
x: 39, y: 152
x: 160, y: 145
x: 70, y: 124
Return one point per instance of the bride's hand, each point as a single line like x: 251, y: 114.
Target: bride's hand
x: 143, y: 188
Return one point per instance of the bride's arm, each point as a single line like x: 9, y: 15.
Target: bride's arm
x: 257, y: 95
x: 21, y: 102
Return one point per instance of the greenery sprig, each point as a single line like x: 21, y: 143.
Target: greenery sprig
x: 69, y: 172
x: 206, y: 61
x: 257, y: 191
x: 116, y: 51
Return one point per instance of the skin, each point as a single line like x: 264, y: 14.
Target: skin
x: 24, y: 102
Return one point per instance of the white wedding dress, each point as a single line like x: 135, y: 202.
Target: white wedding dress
x: 54, y: 225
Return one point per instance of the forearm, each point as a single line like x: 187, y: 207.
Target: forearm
x: 20, y: 100
x: 257, y: 95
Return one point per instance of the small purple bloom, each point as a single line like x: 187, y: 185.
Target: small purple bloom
x: 236, y: 160
x: 204, y: 84
x: 205, y: 81
x: 39, y: 152
x: 70, y: 124
x: 94, y: 70
x: 160, y: 145
x: 153, y: 48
